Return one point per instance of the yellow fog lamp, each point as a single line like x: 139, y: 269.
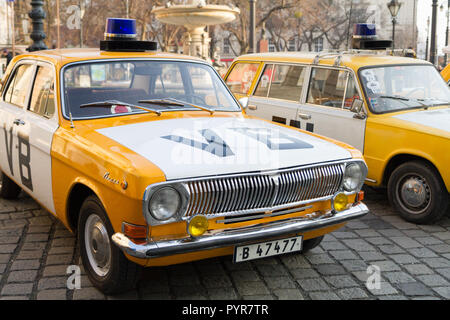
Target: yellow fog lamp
x: 198, y: 225
x: 340, y: 202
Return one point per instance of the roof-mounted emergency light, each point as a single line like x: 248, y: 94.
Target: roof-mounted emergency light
x: 365, y: 38
x: 120, y: 35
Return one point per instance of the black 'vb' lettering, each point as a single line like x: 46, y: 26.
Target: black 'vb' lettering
x: 24, y: 162
x: 9, y: 145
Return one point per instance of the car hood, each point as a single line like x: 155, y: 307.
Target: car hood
x: 437, y: 119
x: 187, y: 148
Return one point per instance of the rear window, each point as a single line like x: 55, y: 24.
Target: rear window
x: 241, y: 77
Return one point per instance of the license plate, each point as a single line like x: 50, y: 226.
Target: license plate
x: 267, y: 249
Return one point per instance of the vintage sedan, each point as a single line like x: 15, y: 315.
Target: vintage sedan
x: 393, y: 109
x: 150, y: 160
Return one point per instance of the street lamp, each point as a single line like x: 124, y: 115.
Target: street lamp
x: 37, y: 15
x: 428, y: 38
x: 433, y: 32
x: 394, y: 7
x: 252, y: 37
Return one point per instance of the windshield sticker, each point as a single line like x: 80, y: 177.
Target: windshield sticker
x: 371, y: 81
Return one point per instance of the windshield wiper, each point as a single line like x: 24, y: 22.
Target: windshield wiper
x: 175, y: 102
x: 400, y: 98
x: 110, y: 103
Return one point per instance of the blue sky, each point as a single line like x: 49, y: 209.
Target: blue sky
x: 424, y: 11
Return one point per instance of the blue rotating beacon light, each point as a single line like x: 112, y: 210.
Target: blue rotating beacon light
x: 120, y: 35
x: 365, y: 38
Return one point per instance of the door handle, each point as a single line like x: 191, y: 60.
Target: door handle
x: 251, y: 107
x: 19, y: 122
x: 304, y: 116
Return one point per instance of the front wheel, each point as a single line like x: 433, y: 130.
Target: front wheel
x: 417, y: 191
x: 8, y: 188
x: 310, y: 244
x: 105, y: 264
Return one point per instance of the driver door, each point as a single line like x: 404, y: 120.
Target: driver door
x: 327, y: 110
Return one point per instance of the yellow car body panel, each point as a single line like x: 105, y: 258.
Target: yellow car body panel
x: 446, y: 74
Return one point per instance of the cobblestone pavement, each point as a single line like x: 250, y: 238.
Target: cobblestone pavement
x: 36, y: 249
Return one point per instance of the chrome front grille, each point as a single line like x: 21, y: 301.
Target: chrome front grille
x: 262, y: 191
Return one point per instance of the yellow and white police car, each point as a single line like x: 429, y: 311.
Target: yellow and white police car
x: 149, y: 158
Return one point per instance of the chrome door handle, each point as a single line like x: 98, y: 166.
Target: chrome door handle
x: 304, y: 116
x: 251, y: 107
x: 19, y: 122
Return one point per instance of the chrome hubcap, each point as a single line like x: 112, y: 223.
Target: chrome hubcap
x: 415, y: 193
x: 97, y: 244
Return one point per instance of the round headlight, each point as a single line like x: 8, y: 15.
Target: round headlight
x: 353, y: 177
x: 164, y: 203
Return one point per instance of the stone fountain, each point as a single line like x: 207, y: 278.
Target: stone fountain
x: 195, y: 15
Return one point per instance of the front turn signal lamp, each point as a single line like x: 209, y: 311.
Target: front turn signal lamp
x: 198, y: 225
x: 340, y: 202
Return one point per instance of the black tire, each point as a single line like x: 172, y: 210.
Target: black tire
x: 430, y: 202
x: 310, y: 244
x: 122, y: 274
x: 8, y: 188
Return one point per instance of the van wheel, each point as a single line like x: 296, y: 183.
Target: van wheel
x: 417, y: 191
x: 8, y: 188
x: 310, y: 244
x: 105, y: 264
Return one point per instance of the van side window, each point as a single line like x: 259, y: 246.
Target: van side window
x: 18, y: 89
x: 241, y: 77
x: 262, y: 90
x: 43, y: 96
x: 327, y: 87
x: 287, y: 82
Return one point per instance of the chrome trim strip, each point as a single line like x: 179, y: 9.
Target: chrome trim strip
x: 233, y: 237
x: 256, y: 217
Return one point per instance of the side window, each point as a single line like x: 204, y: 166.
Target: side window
x: 19, y: 86
x: 327, y: 87
x: 241, y: 77
x: 352, y: 92
x: 43, y: 96
x: 287, y: 82
x: 262, y: 90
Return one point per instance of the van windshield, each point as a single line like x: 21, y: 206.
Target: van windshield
x: 403, y: 87
x: 89, y: 88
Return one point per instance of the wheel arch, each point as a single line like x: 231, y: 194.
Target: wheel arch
x: 402, y: 158
x: 78, y: 193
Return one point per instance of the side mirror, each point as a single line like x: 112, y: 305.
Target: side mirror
x: 244, y: 102
x: 357, y: 105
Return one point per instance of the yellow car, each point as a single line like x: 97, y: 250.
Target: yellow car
x: 393, y: 109
x: 150, y: 160
x: 446, y: 74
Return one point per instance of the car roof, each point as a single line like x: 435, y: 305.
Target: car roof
x: 351, y: 60
x: 62, y: 57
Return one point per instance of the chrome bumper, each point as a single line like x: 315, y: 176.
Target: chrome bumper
x: 232, y: 237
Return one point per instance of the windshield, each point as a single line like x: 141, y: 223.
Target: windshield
x: 89, y: 88
x: 397, y: 88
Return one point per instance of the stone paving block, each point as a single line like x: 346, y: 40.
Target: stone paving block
x: 288, y: 294
x: 440, y: 248
x: 52, y: 283
x: 404, y: 259
x: 51, y: 271
x: 57, y: 294
x: 386, y: 265
x: 437, y: 262
x: 345, y: 235
x: 359, y: 245
x: 14, y: 298
x: 378, y: 241
x: 40, y: 221
x: 186, y: 279
x: 270, y: 270
x: 384, y: 289
x: 391, y: 249
x: 444, y: 272
x: 63, y: 242
x: 304, y: 273
x: 333, y: 245
x: 244, y: 275
x: 406, y: 243
x: 9, y: 239
x: 61, y: 250
x: 292, y: 261
x: 222, y: 294
x: 247, y: 288
x: 352, y: 293
x: 433, y: 280
x: 262, y: 297
x: 340, y: 282
x: 30, y: 255
x: 22, y: 276
x: 4, y: 258
x: 330, y: 269
x: 422, y: 253
x: 327, y: 295
x: 322, y: 258
x: 443, y: 291
x: 55, y: 259
x: 88, y: 294
x: 390, y: 232
x: 414, y: 289
x: 39, y: 229
x: 366, y: 233
x: 371, y: 256
x: 25, y: 265
x: 398, y: 277
x: 418, y: 269
x: 315, y: 284
x: 355, y: 265
x: 17, y: 289
x: 36, y: 237
x: 2, y: 268
x: 7, y: 248
x: 343, y: 255
x: 34, y: 246
x: 279, y: 283
x: 427, y: 241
